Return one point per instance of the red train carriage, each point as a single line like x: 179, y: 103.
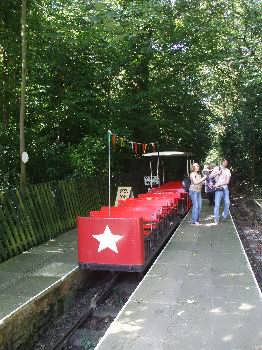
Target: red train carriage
x: 129, y: 236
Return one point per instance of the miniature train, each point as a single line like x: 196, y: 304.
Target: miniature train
x: 128, y: 237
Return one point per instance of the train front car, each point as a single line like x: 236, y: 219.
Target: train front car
x: 111, y: 243
x: 129, y: 236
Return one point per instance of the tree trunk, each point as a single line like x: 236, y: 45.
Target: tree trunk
x: 253, y: 165
x: 4, y: 91
x: 23, y: 92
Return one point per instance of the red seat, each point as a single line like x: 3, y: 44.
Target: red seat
x: 150, y: 217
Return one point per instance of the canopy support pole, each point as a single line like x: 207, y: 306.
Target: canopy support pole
x: 109, y: 171
x: 151, y: 174
x: 157, y: 170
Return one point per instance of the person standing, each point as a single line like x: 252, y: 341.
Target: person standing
x: 222, y: 177
x: 195, y: 192
x: 209, y: 184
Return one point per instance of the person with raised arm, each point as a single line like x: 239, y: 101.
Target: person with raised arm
x: 195, y: 192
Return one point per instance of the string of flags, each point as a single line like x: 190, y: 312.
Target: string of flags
x: 136, y: 147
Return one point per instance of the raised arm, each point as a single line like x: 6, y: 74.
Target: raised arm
x: 216, y: 171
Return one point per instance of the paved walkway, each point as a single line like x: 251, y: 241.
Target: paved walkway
x: 199, y: 294
x: 32, y: 273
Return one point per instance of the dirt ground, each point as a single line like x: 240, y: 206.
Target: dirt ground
x: 247, y: 215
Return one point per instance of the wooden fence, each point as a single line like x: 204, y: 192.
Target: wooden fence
x: 41, y: 212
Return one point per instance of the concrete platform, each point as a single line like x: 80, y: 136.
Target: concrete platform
x: 34, y: 287
x: 199, y: 294
x: 25, y: 276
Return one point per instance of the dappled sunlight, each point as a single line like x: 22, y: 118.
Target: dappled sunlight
x: 59, y: 251
x: 232, y: 274
x: 210, y: 224
x: 232, y: 308
x: 191, y: 301
x: 246, y: 307
x: 129, y: 324
x: 237, y: 197
x: 52, y: 270
x: 129, y: 313
x: 208, y: 218
x: 195, y: 274
x: 227, y: 338
x: 180, y: 313
x: 46, y: 250
x: 126, y: 327
x: 217, y: 310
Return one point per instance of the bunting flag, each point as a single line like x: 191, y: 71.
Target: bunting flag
x: 136, y: 147
x: 114, y: 139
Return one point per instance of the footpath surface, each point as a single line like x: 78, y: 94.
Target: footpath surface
x: 32, y: 273
x: 199, y: 294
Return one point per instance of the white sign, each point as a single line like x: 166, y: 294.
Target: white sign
x: 154, y: 179
x: 123, y: 193
x: 25, y: 157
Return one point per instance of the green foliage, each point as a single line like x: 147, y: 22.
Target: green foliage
x: 234, y: 92
x: 242, y: 140
x: 177, y: 72
x: 85, y: 154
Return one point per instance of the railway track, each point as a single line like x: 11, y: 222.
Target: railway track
x: 97, y: 299
x: 81, y: 328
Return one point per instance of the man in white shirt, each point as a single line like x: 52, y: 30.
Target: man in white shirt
x: 222, y: 176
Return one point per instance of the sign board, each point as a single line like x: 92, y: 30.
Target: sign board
x: 25, y: 157
x: 123, y: 193
x: 154, y: 179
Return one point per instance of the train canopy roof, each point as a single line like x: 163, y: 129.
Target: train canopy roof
x: 168, y: 154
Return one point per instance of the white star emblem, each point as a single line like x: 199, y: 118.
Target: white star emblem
x: 107, y: 240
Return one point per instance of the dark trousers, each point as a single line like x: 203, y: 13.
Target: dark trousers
x: 211, y: 198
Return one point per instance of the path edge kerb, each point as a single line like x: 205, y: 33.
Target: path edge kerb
x: 22, y: 326
x: 246, y: 257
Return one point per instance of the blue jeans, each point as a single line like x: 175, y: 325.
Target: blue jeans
x: 197, y: 205
x: 218, y: 197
